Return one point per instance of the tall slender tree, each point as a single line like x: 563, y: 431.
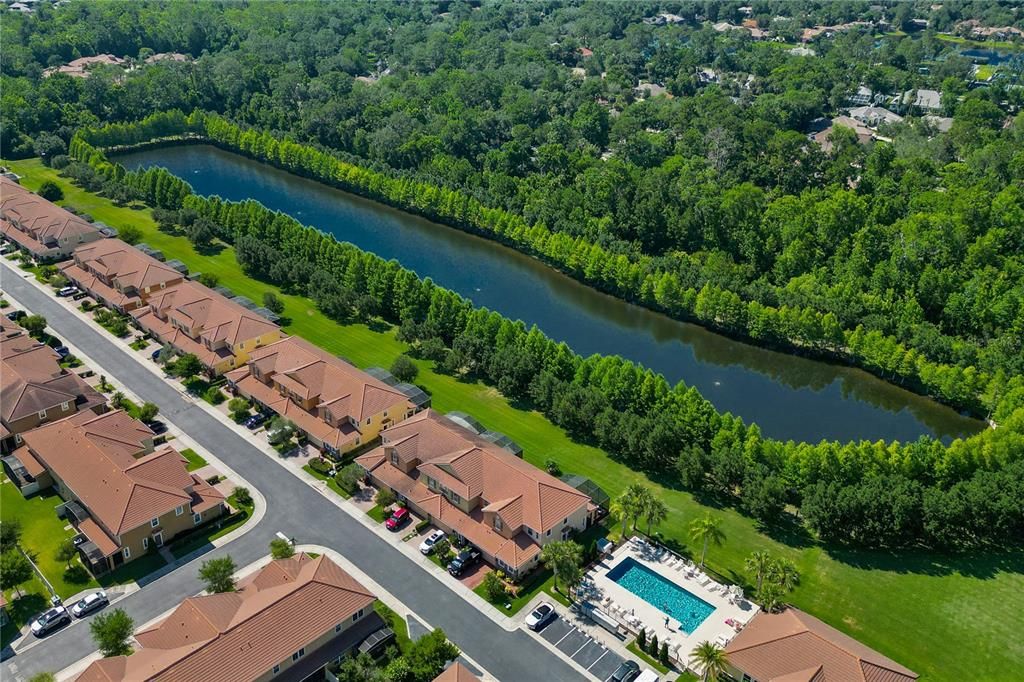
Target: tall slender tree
x: 706, y: 530
x: 709, y: 658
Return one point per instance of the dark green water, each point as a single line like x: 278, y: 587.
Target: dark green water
x: 787, y: 396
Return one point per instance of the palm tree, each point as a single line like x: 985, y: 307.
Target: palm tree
x: 771, y: 597
x: 711, y: 658
x: 784, y: 574
x: 629, y: 505
x: 706, y: 529
x: 564, y: 557
x: 759, y: 563
x: 654, y: 511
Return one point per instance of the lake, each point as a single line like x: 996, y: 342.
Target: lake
x: 789, y: 397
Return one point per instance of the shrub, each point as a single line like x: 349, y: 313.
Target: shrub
x: 551, y: 466
x: 320, y: 465
x: 213, y: 395
x: 404, y: 369
x: 494, y: 588
x: 385, y: 498
x: 663, y: 654
x: 50, y: 191
x: 208, y: 279
x: 129, y: 234
x: 242, y: 496
x: 239, y: 408
x: 641, y: 640
x: 348, y: 478
x: 272, y: 303
x: 652, y: 646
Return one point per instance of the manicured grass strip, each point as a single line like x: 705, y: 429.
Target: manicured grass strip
x: 194, y: 460
x: 134, y: 570
x: 542, y: 580
x: 397, y: 624
x: 329, y: 480
x: 910, y: 605
x: 646, y: 658
x: 377, y: 513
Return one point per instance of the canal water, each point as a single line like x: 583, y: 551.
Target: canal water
x: 787, y: 396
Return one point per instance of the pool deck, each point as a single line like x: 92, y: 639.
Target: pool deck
x: 633, y: 613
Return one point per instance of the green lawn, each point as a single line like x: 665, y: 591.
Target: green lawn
x: 647, y: 658
x: 910, y: 606
x: 41, y: 534
x: 377, y: 513
x: 194, y: 460
x: 397, y: 624
x: 331, y: 483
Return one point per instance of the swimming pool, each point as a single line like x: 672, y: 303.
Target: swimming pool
x: 661, y: 593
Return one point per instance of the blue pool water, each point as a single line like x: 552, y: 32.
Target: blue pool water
x: 662, y: 594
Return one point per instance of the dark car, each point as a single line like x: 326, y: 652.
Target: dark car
x: 627, y: 672
x: 16, y: 315
x: 155, y: 355
x: 257, y: 420
x: 62, y: 351
x: 79, y: 296
x: 467, y: 558
x: 51, y: 620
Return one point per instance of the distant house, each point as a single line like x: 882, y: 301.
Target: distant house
x: 36, y: 389
x: 874, y: 116
x: 124, y: 494
x: 927, y: 101
x: 456, y: 672
x: 117, y: 274
x: 335, y: 405
x: 467, y: 485
x: 797, y: 647
x: 192, y: 318
x: 823, y: 137
x: 585, y: 52
x: 940, y: 123
x: 645, y: 90
x: 79, y: 68
x: 40, y: 227
x: 167, y: 57
x: 287, y: 621
x: 862, y: 97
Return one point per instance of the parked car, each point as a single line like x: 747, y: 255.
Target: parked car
x: 62, y: 351
x: 67, y: 291
x: 93, y: 602
x: 398, y: 519
x: 427, y: 546
x: 541, y: 616
x: 79, y: 296
x: 626, y: 672
x: 51, y: 620
x: 257, y: 420
x: 467, y: 558
x: 16, y: 315
x: 155, y: 355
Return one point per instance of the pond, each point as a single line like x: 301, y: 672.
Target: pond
x: 789, y: 397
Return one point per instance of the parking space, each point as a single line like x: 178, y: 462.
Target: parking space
x: 587, y: 652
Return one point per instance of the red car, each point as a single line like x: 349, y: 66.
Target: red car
x: 397, y: 519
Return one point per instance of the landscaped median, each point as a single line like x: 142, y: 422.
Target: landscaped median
x: 880, y: 598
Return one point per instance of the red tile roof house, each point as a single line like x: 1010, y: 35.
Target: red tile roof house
x: 195, y: 319
x: 117, y: 274
x: 337, y: 406
x: 285, y: 622
x: 126, y: 495
x: 35, y: 389
x: 505, y: 507
x: 793, y: 646
x: 40, y: 227
x: 456, y: 672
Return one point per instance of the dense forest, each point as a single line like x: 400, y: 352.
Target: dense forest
x: 537, y: 124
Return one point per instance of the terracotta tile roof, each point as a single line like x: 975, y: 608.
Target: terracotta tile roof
x: 33, y: 380
x: 456, y: 672
x: 9, y: 329
x: 242, y: 635
x: 219, y: 318
x: 94, y: 458
x: 473, y: 467
x: 168, y: 333
x: 310, y: 372
x: 124, y: 264
x: 41, y: 220
x: 99, y: 537
x: 794, y: 645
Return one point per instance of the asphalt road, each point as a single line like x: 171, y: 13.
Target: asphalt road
x: 292, y: 508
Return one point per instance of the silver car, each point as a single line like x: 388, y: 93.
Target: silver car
x: 92, y: 602
x: 427, y: 546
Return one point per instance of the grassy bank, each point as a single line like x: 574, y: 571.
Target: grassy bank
x: 911, y: 606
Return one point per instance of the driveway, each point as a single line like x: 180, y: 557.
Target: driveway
x: 293, y: 508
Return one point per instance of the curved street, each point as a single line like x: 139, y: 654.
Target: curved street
x: 293, y: 508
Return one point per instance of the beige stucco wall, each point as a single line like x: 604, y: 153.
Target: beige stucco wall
x: 313, y: 646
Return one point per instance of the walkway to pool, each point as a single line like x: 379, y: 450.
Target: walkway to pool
x: 730, y: 610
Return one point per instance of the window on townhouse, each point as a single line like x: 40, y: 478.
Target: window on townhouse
x: 179, y: 510
x: 65, y: 406
x: 548, y: 534
x: 197, y: 519
x: 394, y: 459
x: 42, y: 414
x: 145, y: 543
x: 368, y: 422
x: 277, y: 669
x: 337, y: 628
x: 299, y: 654
x: 565, y: 520
x: 127, y: 552
x: 456, y: 499
x: 154, y: 523
x: 360, y: 614
x: 497, y: 522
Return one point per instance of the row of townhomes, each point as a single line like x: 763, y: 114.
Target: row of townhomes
x: 118, y: 275
x: 124, y: 492
x: 469, y: 486
x: 35, y: 388
x: 39, y: 227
